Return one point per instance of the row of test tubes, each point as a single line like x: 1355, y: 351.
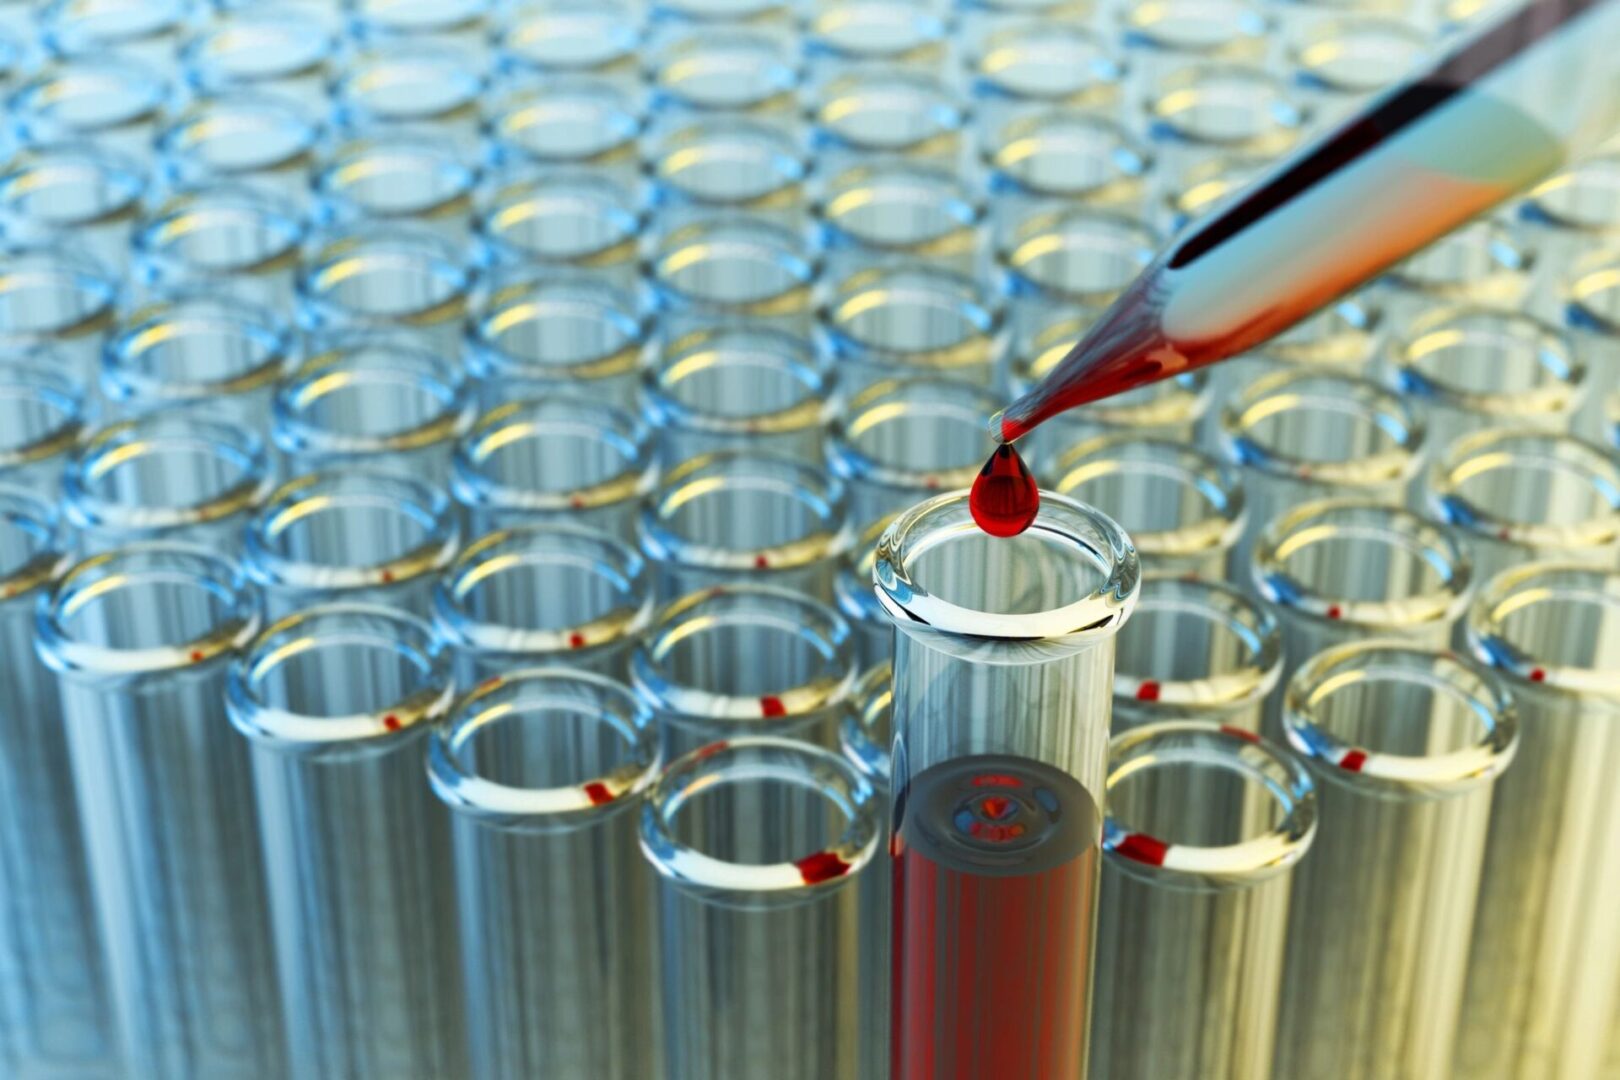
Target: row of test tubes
x: 443, y: 451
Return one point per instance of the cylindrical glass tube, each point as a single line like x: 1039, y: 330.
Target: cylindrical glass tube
x: 387, y: 402
x: 148, y: 30
x: 1043, y: 60
x: 901, y: 33
x: 386, y: 277
x: 724, y: 69
x: 864, y: 735
x: 140, y: 640
x: 901, y: 441
x: 461, y: 22
x: 227, y: 237
x: 545, y: 773
x: 291, y: 48
x: 211, y: 353
x: 1182, y: 509
x: 1566, y: 216
x: 732, y: 269
x: 899, y: 209
x: 1205, y: 825
x: 1518, y: 495
x: 538, y: 331
x: 78, y: 190
x: 745, y: 660
x: 558, y: 459
x: 1342, y: 60
x: 1072, y: 155
x: 852, y: 590
x: 756, y: 842
x: 1195, y: 650
x: 1070, y: 257
x: 909, y: 318
x: 42, y: 423
x: 549, y: 595
x: 1208, y: 110
x: 54, y: 296
x: 1405, y: 744
x: 729, y: 517
x: 398, y: 178
x: 566, y: 37
x: 336, y: 703
x: 733, y: 164
x: 1004, y: 658
x: 739, y: 388
x: 563, y: 218
x: 1590, y: 302
x: 567, y: 121
x: 1164, y: 36
x: 167, y: 475
x: 1480, y: 264
x: 260, y: 140
x: 56, y: 1019
x: 353, y: 536
x: 869, y: 114
x: 1544, y: 974
x: 113, y: 101
x: 412, y: 83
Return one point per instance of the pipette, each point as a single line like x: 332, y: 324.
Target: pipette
x: 1502, y: 110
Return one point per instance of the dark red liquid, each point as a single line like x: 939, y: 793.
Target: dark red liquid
x: 995, y: 884
x: 1004, y: 498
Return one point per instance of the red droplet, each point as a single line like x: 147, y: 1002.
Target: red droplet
x: 388, y: 577
x: 576, y: 502
x: 1240, y: 733
x: 1353, y: 760
x: 598, y: 793
x: 1143, y: 848
x: 1004, y: 499
x: 1334, y: 611
x: 822, y: 866
x: 772, y: 706
x: 576, y: 641
x: 761, y: 562
x: 197, y: 656
x: 1147, y: 690
x: 996, y: 780
x: 391, y: 722
x: 1537, y: 675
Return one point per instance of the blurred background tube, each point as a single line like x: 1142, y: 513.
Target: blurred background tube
x: 140, y: 640
x: 545, y: 773
x: 1405, y: 744
x: 405, y: 177
x: 43, y: 422
x: 1061, y: 154
x: 864, y: 735
x: 263, y: 141
x: 565, y: 121
x: 896, y: 209
x: 852, y: 590
x: 77, y: 190
x: 727, y: 163
x: 228, y: 237
x: 562, y: 219
x: 1564, y: 219
x: 1067, y: 257
x: 55, y: 297
x: 386, y: 278
x: 1480, y: 264
x: 350, y: 535
x: 758, y: 843
x: 543, y: 595
x: 731, y: 269
x: 909, y: 319
x: 291, y: 49
x: 412, y: 82
x: 337, y: 702
x: 1544, y: 975
x: 1205, y: 825
x: 55, y: 1016
x: 115, y: 101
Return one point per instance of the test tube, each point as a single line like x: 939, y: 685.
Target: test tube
x: 736, y: 388
x: 1562, y: 219
x: 839, y: 34
x: 352, y: 536
x: 566, y: 121
x: 1071, y: 257
x: 415, y: 83
x: 1481, y: 264
x: 558, y: 458
x: 550, y: 595
x: 904, y: 318
x: 544, y: 773
x: 75, y: 189
x: 209, y: 353
x: 768, y: 13
x: 1043, y: 60
x: 538, y: 331
x: 56, y: 297
x: 115, y: 102
x: 398, y: 177
x: 1591, y: 303
x: 885, y: 112
x: 1195, y: 650
x: 1182, y: 508
x: 1004, y: 657
x: 42, y: 423
x: 1205, y: 826
x: 865, y: 735
x: 1544, y: 970
x: 1517, y: 495
x: 1405, y: 744
x: 336, y: 703
x: 57, y: 1019
x: 92, y: 29
x: 731, y: 269
x: 903, y: 440
x: 562, y: 218
x: 386, y: 401
x: 458, y: 22
x: 858, y: 604
x: 1161, y: 38
x: 140, y: 639
x: 898, y: 209
x: 227, y: 237
x: 729, y: 517
x: 728, y: 163
x: 1218, y: 109
x: 168, y: 475
x: 287, y: 48
x: 1341, y: 60
x: 1067, y: 154
x: 261, y: 140
x: 745, y: 660
x: 720, y: 69
x: 568, y: 37
x: 387, y: 277
x: 756, y: 842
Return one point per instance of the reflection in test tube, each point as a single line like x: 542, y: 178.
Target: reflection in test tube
x: 77, y: 188
x: 42, y: 422
x: 381, y: 277
x: 899, y: 319
x: 55, y: 296
x: 865, y: 735
x: 228, y: 237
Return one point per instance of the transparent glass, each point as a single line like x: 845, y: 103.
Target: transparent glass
x: 386, y: 278
x: 1589, y: 300
x: 724, y: 70
x: 905, y: 318
x: 76, y: 189
x: 566, y: 121
x: 912, y: 33
x: 1073, y: 256
x: 864, y: 736
x: 56, y: 297
x: 227, y: 237
x: 114, y: 101
x: 461, y: 22
x: 729, y: 269
x: 1567, y: 216
x: 288, y: 48
x: 566, y: 37
x: 148, y: 30
x: 886, y: 112
x: 1046, y: 60
x: 42, y: 423
x: 1163, y: 36
x: 1069, y: 154
x: 1208, y: 110
x: 262, y: 140
x: 398, y: 177
x: 563, y: 218
x: 1340, y: 60
x: 416, y: 82
x: 899, y: 209
x: 1481, y: 264
x: 858, y: 603
x: 729, y: 164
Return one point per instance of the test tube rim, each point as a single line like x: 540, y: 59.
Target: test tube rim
x: 514, y: 187
x: 1106, y: 68
x: 799, y: 260
x: 1292, y: 121
x: 1135, y: 158
x: 1387, y: 20
x: 787, y: 154
x: 1212, y: 694
x: 1360, y: 312
x: 812, y: 367
x: 341, y: 246
x: 41, y: 373
x: 848, y: 461
x: 518, y: 294
x: 782, y: 83
x: 621, y: 120
x: 1178, y: 401
x: 951, y: 114
x: 1034, y: 230
x: 25, y: 510
x: 348, y: 154
x: 1511, y: 263
x: 150, y: 253
x: 853, y: 594
x: 963, y: 205
x: 1534, y: 212
x: 977, y: 309
x: 128, y: 177
x: 349, y: 114
x: 472, y: 13
x: 178, y: 155
x: 1549, y: 347
x: 1252, y: 23
x: 206, y: 39
x: 174, y: 14
x: 513, y: 24
x: 60, y: 258
x: 1598, y: 688
x: 933, y: 29
x: 140, y: 108
x: 121, y: 383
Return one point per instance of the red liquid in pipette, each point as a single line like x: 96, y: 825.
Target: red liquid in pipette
x: 1004, y: 498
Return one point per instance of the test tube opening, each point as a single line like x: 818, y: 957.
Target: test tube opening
x: 239, y: 135
x: 398, y: 277
x: 395, y: 176
x: 1548, y: 492
x: 912, y: 315
x: 221, y: 228
x: 553, y: 328
x: 900, y: 207
x: 888, y: 112
x: 564, y: 217
x: 30, y: 549
x: 568, y: 121
x: 740, y: 380
x: 735, y: 264
x: 194, y: 347
x: 49, y: 292
x: 913, y: 434
x: 1230, y: 106
x: 1359, y: 53
x: 1081, y: 256
x: 1553, y: 625
x: 1324, y: 429
x: 71, y: 185
x: 1069, y: 154
x: 555, y: 453
x: 1500, y: 364
x: 41, y: 413
x: 740, y: 511
x: 1196, y: 647
x: 370, y: 394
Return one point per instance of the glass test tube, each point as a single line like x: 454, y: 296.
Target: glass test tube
x: 116, y: 102
x: 459, y: 22
x: 544, y: 773
x: 1182, y: 508
x: 1404, y: 744
x: 1068, y: 155
x: 139, y: 640
x: 909, y: 318
x: 550, y: 595
x: 336, y: 703
x: 1071, y: 257
x: 563, y: 218
x: 1205, y: 826
x: 1209, y: 110
x: 730, y: 163
x: 768, y: 13
x: 1591, y: 309
x: 148, y: 31
x: 1341, y: 60
x: 858, y: 604
x: 261, y: 140
x: 745, y: 660
x: 227, y: 237
x: 1163, y: 37
x: 733, y: 70
x: 351, y: 535
x: 211, y: 353
x: 78, y: 190
x: 417, y: 83
x: 289, y: 48
x: 756, y: 842
x: 565, y: 37
x: 567, y: 121
x: 885, y: 112
x: 865, y: 735
x: 732, y: 269
x: 42, y: 423
x: 898, y: 209
x: 1564, y: 218
x: 388, y: 277
x: 538, y: 331
x: 1545, y: 966
x: 1042, y: 60
x: 386, y: 401
x: 1481, y: 264
x: 1004, y: 656
x: 397, y: 177
x: 1517, y: 495
x: 1195, y: 650
x: 167, y: 475
x: 55, y: 296
x: 560, y: 459
x: 738, y: 388
x: 902, y: 440
x: 55, y: 1019
x: 856, y: 33
x: 729, y: 517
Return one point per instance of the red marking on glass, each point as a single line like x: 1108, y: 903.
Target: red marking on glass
x: 388, y: 577
x: 1143, y: 848
x: 761, y: 562
x: 1240, y: 733
x: 1334, y: 611
x: 1004, y: 499
x: 822, y: 866
x: 490, y: 683
x: 996, y: 780
x: 1147, y: 690
x: 772, y: 706
x: 197, y: 656
x: 391, y: 722
x: 576, y: 503
x: 598, y: 793
x: 1537, y: 675
x: 710, y: 750
x: 576, y: 641
x: 1353, y: 760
